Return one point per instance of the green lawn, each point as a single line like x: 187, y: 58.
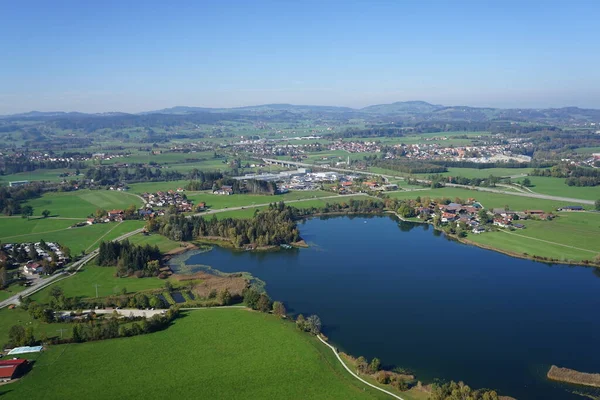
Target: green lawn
x: 39, y: 175
x: 82, y: 284
x: 558, y: 187
x: 81, y: 203
x: 78, y: 239
x: 11, y: 291
x: 209, y: 354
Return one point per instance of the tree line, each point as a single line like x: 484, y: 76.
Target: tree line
x: 409, y: 166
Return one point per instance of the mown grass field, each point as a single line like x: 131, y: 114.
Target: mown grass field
x: 558, y: 187
x: 39, y: 175
x: 153, y: 187
x: 81, y: 203
x: 77, y: 239
x: 164, y: 244
x: 82, y: 284
x: 488, y: 199
x: 16, y: 226
x: 571, y: 236
x: 208, y: 354
x: 214, y: 201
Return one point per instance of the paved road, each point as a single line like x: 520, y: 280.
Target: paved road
x: 74, y: 267
x: 532, y: 195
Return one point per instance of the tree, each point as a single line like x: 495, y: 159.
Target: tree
x: 526, y: 182
x: 3, y: 277
x: 301, y: 322
x: 27, y: 211
x: 225, y: 297
x: 264, y: 303
x: 313, y: 324
x: 279, y: 309
x: 597, y: 205
x: 16, y: 335
x: 251, y: 297
x: 45, y: 213
x: 483, y: 216
x: 168, y: 286
x: 374, y: 365
x: 56, y: 292
x: 361, y: 364
x: 100, y: 213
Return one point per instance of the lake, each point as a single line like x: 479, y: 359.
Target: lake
x: 413, y: 298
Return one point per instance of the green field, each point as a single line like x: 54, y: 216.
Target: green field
x: 82, y: 284
x: 81, y: 203
x: 77, y: 239
x: 558, y: 187
x: 488, y: 199
x: 21, y: 317
x: 164, y: 244
x: 211, y: 354
x: 17, y: 226
x: 571, y: 236
x: 39, y: 175
x: 153, y: 187
x: 214, y: 201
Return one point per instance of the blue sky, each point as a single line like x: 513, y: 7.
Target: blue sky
x: 134, y: 56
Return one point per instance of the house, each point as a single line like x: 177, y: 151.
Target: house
x: 11, y: 369
x: 116, y: 215
x: 225, y: 190
x: 201, y: 206
x: 478, y: 230
x: 32, y: 268
x: 502, y: 222
x: 90, y: 221
x: 571, y: 208
x: 534, y: 212
x: 449, y: 217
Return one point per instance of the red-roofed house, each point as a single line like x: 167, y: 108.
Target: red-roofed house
x: 11, y: 369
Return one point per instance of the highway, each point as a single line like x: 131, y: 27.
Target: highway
x: 482, y: 189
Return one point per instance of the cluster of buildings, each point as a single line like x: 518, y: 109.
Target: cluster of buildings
x: 170, y: 198
x: 356, y: 147
x: 299, y: 179
x: 16, y: 253
x: 478, y: 154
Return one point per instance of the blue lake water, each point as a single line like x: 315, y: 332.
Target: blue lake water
x: 413, y: 298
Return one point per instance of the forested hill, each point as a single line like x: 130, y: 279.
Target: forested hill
x: 407, y: 111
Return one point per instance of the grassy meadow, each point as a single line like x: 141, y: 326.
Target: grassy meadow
x: 215, y: 201
x: 558, y: 187
x: 82, y: 284
x: 77, y: 239
x: 572, y: 236
x: 81, y: 203
x: 226, y: 353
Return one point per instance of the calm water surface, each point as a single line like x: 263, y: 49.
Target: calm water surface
x: 415, y: 299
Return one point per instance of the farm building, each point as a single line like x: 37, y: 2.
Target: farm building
x: 11, y: 369
x: 571, y: 208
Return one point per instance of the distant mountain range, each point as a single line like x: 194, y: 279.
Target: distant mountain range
x: 412, y: 111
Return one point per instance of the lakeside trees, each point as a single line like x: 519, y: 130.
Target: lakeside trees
x: 130, y: 259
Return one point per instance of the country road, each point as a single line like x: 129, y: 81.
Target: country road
x: 478, y: 188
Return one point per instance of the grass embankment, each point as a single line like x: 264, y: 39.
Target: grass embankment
x: 571, y: 376
x: 81, y: 203
x: 227, y: 353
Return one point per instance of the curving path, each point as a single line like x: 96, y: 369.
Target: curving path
x: 353, y: 374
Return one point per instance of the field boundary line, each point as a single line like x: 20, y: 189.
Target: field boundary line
x: 104, y: 235
x: 549, y: 242
x: 34, y: 233
x: 353, y: 374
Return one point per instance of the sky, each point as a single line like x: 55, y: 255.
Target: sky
x: 101, y: 56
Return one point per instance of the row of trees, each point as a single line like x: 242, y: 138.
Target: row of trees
x: 11, y: 197
x: 129, y: 258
